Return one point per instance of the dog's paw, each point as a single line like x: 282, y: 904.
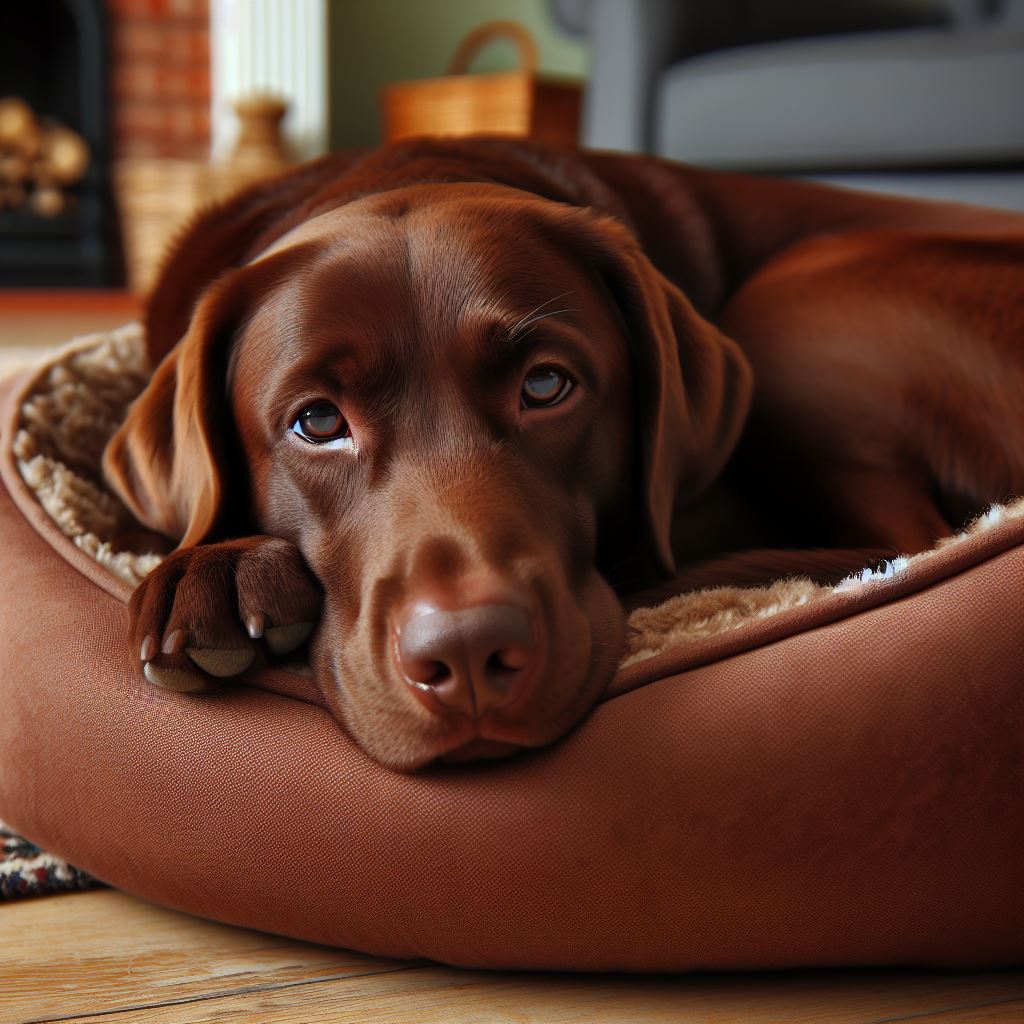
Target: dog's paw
x: 215, y: 610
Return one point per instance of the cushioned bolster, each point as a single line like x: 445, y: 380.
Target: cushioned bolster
x: 850, y: 794
x: 866, y: 100
x: 968, y: 553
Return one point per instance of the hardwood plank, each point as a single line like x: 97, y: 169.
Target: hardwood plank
x: 32, y: 324
x: 436, y: 994
x: 105, y: 957
x: 38, y: 330
x: 1008, y: 1012
x: 99, y: 951
x: 73, y: 300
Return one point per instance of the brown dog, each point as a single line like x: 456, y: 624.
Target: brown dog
x: 429, y: 403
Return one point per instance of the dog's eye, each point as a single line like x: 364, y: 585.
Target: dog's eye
x: 321, y: 423
x: 545, y: 386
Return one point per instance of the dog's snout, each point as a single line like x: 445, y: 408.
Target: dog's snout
x: 470, y: 660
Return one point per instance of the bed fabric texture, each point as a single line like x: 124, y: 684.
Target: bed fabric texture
x: 780, y: 776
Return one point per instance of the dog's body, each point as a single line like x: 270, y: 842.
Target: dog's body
x: 464, y: 384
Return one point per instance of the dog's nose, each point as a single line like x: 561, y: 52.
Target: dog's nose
x: 472, y: 660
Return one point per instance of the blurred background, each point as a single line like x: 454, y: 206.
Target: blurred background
x: 119, y: 118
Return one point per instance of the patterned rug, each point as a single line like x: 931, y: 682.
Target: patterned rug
x: 26, y: 871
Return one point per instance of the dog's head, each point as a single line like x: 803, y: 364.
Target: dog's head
x: 467, y: 406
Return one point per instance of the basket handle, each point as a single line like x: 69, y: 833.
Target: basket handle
x: 483, y: 34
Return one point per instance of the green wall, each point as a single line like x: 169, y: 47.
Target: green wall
x: 373, y: 42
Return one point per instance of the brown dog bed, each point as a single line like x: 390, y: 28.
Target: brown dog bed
x: 793, y: 775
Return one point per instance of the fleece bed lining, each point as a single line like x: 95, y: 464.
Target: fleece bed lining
x: 79, y: 397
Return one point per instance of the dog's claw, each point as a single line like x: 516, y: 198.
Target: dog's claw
x: 284, y: 639
x: 174, y: 679
x: 222, y: 662
x: 148, y: 650
x: 174, y: 643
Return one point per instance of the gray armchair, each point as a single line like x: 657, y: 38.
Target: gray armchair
x: 922, y: 97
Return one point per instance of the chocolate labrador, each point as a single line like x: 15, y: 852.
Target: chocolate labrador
x: 435, y: 408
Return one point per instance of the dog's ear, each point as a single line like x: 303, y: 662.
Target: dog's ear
x: 693, y: 385
x: 166, y: 460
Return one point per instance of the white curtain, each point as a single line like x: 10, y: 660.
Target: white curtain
x: 277, y: 46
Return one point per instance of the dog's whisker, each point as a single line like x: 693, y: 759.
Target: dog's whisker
x: 532, y: 324
x: 537, y: 309
x: 534, y: 315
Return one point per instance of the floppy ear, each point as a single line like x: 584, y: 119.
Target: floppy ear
x: 694, y: 384
x: 165, y: 461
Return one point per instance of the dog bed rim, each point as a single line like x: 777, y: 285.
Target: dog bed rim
x: 958, y: 558
x: 18, y: 387
x: 917, y: 576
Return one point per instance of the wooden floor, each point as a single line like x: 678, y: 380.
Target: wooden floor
x: 103, y: 956
x: 33, y: 322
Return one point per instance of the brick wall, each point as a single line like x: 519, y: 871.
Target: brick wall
x: 160, y: 78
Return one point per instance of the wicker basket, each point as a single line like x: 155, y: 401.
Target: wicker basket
x: 158, y: 196
x: 508, y: 103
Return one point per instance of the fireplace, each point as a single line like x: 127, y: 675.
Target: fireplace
x: 57, y: 223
